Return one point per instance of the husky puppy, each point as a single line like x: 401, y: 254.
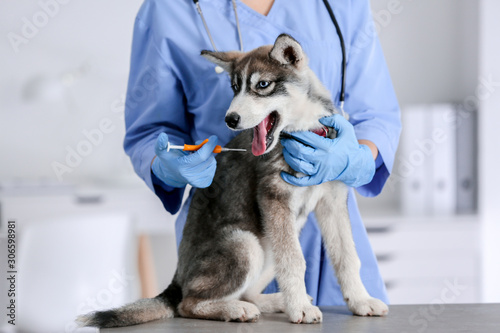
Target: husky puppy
x: 243, y: 230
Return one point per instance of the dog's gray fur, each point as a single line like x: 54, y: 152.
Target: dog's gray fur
x: 243, y: 230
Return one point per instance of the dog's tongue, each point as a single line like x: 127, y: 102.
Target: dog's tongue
x: 259, y: 137
x: 322, y: 131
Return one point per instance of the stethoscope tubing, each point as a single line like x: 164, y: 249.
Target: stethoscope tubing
x: 342, y: 46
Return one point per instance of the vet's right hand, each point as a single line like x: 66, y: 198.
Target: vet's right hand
x: 178, y: 168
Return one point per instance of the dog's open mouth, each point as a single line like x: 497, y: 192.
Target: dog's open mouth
x: 263, y: 133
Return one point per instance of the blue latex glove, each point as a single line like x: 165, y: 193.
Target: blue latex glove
x: 342, y: 158
x: 178, y: 168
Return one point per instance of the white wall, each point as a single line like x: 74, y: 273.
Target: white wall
x: 430, y: 47
x: 92, y: 35
x: 489, y: 159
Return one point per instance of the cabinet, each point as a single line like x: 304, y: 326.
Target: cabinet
x: 35, y: 204
x: 428, y: 260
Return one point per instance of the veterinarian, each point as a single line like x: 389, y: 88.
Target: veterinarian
x: 173, y: 90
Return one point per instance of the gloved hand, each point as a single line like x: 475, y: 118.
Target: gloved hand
x: 342, y: 158
x: 178, y: 168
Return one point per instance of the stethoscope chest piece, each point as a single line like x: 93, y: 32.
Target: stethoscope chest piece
x: 218, y: 69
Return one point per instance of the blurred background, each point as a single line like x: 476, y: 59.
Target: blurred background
x: 91, y: 235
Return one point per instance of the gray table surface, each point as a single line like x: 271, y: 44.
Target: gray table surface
x: 426, y: 318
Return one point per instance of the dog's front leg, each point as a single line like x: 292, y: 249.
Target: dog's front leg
x: 333, y: 219
x: 281, y: 229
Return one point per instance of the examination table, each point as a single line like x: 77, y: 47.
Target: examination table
x: 438, y: 318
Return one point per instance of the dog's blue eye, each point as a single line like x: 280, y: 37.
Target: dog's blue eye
x: 263, y: 84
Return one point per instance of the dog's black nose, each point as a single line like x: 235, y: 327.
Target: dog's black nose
x: 232, y: 120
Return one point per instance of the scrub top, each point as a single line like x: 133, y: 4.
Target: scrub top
x: 173, y: 89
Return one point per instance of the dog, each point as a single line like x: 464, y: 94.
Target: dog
x: 242, y: 231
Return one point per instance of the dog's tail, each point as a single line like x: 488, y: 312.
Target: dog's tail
x: 141, y: 311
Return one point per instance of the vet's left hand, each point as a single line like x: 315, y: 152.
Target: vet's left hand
x: 342, y: 158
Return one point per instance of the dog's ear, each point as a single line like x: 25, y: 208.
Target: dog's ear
x: 223, y: 59
x: 287, y: 51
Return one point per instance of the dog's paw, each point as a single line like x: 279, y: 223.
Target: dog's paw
x: 368, y: 307
x: 244, y: 312
x: 307, y: 314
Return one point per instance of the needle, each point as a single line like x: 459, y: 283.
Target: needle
x: 217, y: 149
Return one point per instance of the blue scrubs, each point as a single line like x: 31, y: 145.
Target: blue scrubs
x: 173, y: 89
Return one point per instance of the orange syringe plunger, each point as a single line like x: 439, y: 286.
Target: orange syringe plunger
x: 217, y: 149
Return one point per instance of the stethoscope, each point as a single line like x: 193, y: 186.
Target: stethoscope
x: 219, y: 69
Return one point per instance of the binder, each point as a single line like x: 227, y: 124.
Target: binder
x: 466, y: 154
x: 414, y: 169
x: 444, y: 165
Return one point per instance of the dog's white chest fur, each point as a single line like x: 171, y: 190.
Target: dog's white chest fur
x: 304, y: 200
